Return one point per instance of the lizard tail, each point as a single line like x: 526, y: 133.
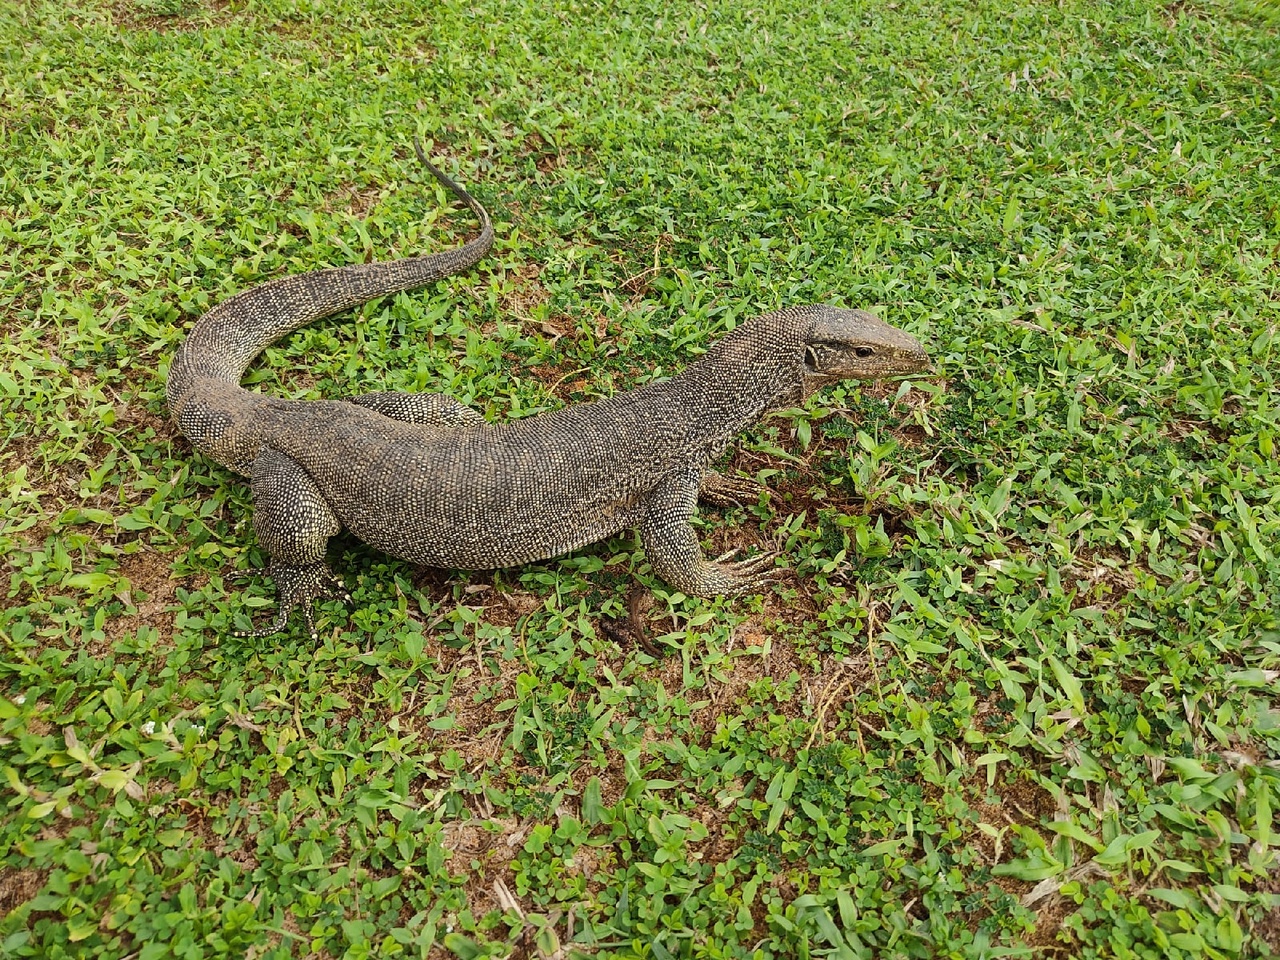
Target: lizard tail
x: 226, y: 340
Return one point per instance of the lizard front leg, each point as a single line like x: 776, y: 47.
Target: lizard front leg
x: 674, y: 551
x: 293, y: 522
x: 427, y: 409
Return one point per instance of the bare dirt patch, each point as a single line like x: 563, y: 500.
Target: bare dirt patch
x: 177, y: 16
x: 1044, y: 939
x: 150, y: 593
x: 563, y: 380
x: 1268, y: 930
x: 18, y: 886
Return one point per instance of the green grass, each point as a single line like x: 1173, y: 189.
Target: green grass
x: 1016, y: 690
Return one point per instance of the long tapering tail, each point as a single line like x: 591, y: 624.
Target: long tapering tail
x: 223, y: 342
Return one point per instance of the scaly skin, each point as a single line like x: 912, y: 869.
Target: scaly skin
x: 424, y: 478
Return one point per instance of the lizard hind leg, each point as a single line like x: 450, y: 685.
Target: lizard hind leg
x: 293, y: 522
x: 427, y: 409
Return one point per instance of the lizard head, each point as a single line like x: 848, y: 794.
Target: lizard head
x: 855, y: 345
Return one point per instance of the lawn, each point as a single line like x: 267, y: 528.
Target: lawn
x: 1014, y: 692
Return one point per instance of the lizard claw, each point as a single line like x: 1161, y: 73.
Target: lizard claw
x: 744, y: 576
x: 333, y: 587
x: 298, y: 586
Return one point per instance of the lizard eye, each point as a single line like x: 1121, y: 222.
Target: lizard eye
x: 863, y: 352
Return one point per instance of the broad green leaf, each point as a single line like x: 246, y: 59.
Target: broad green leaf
x: 593, y: 809
x: 1069, y: 828
x: 1037, y: 866
x: 1069, y: 685
x: 884, y: 847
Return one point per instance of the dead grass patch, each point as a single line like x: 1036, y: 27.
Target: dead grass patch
x: 523, y: 292
x: 353, y: 199
x: 178, y: 16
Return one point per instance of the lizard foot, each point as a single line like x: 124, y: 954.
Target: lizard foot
x: 739, y: 576
x: 674, y: 551
x: 298, y: 586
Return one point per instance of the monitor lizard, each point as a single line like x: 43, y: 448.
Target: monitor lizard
x: 425, y: 478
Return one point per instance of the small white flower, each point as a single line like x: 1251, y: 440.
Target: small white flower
x: 20, y: 699
x: 149, y: 727
x: 198, y: 728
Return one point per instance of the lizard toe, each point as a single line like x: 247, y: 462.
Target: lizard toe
x: 747, y: 575
x: 299, y: 585
x: 721, y: 490
x: 333, y: 587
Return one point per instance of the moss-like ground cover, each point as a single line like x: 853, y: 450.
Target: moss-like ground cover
x: 1015, y: 691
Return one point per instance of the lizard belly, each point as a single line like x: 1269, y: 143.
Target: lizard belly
x: 435, y: 532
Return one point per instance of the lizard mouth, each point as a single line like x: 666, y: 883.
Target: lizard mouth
x: 859, y: 363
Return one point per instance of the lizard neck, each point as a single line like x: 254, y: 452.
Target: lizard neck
x: 746, y: 374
